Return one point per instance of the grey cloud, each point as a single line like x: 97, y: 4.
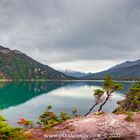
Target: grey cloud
x: 64, y: 30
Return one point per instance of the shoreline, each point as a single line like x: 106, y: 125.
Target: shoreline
x: 114, y: 126
x: 56, y: 80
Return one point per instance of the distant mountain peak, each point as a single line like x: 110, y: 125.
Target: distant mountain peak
x: 74, y: 73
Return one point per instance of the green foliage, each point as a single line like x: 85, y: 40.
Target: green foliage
x: 110, y: 85
x: 132, y: 100
x: 28, y: 122
x: 129, y: 117
x: 2, y: 118
x: 99, y: 113
x: 134, y: 97
x: 64, y: 116
x: 50, y: 119
x: 18, y: 66
x: 74, y: 111
x: 10, y: 133
x: 25, y: 123
x: 98, y: 92
x: 49, y: 107
x: 47, y: 116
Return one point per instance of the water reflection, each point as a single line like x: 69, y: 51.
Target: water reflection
x: 15, y: 93
x: 30, y: 99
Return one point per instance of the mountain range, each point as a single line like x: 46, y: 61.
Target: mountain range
x: 76, y: 74
x: 129, y: 70
x: 17, y: 65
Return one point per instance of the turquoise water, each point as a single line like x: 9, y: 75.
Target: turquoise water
x: 29, y: 99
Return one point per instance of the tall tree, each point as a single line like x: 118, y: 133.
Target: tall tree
x: 109, y: 87
x: 98, y: 94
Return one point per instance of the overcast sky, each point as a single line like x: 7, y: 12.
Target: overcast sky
x: 86, y: 35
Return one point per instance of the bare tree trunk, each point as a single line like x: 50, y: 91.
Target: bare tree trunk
x: 91, y: 109
x: 101, y: 106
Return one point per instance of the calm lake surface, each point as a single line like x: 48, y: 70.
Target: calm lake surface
x: 29, y: 99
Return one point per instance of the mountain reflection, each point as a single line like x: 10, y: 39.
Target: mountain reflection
x: 15, y: 93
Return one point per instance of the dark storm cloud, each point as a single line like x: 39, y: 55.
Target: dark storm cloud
x: 65, y: 30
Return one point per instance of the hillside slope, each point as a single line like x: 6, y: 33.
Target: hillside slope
x: 129, y: 70
x: 17, y: 65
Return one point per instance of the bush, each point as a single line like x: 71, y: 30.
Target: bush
x: 132, y: 100
x: 129, y: 117
x: 74, y: 111
x: 50, y: 119
x: 25, y: 123
x: 10, y: 133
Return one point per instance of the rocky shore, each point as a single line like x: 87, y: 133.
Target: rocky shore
x: 94, y: 126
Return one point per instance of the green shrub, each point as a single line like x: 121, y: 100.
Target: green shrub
x: 64, y: 116
x: 74, y: 111
x: 10, y: 133
x: 129, y: 117
x: 132, y: 101
x: 99, y: 113
x: 25, y: 123
x: 49, y: 107
x: 50, y: 119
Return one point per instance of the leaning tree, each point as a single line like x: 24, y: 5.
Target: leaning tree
x: 109, y: 87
